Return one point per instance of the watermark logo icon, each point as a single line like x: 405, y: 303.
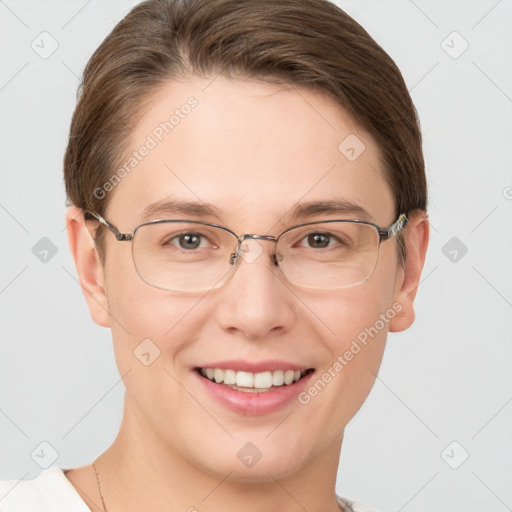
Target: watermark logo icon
x: 45, y: 45
x: 146, y: 352
x: 351, y: 147
x: 251, y: 251
x: 249, y: 454
x: 454, y: 249
x: 44, y: 250
x: 44, y: 455
x: 454, y: 45
x: 455, y: 455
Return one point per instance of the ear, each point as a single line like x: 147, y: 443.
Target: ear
x: 88, y: 265
x: 416, y: 236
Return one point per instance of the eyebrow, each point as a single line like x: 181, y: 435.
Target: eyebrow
x: 170, y: 207
x: 337, y: 207
x: 299, y: 211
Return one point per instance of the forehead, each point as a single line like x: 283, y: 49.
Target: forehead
x: 250, y: 150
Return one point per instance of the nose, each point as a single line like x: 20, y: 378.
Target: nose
x: 256, y: 301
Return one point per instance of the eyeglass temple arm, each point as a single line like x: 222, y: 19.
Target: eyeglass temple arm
x: 395, y: 228
x: 119, y: 236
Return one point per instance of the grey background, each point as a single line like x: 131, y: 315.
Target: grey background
x: 447, y: 379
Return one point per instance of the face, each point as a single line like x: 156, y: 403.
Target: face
x: 252, y: 151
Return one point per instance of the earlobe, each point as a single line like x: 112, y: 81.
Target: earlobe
x: 88, y: 266
x: 416, y: 237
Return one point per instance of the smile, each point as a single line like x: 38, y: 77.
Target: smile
x: 250, y: 382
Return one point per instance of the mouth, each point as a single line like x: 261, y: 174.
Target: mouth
x: 249, y: 382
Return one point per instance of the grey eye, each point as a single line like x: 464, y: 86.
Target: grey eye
x: 189, y: 241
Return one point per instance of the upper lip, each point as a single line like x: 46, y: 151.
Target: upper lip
x: 269, y: 365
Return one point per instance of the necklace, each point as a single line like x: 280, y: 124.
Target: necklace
x: 103, y: 501
x: 99, y: 487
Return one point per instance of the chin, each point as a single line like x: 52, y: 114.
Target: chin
x: 260, y: 473
x: 244, y: 462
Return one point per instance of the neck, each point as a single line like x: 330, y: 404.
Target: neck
x: 139, y: 472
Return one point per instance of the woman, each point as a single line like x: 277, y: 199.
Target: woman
x: 248, y: 216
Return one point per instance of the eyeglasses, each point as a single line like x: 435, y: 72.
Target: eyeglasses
x: 192, y: 255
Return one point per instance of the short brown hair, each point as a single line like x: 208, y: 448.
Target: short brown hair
x: 308, y: 43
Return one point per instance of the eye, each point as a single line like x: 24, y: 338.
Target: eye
x: 187, y: 241
x: 319, y: 240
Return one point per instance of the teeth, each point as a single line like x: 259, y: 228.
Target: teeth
x: 252, y: 381
x: 229, y: 377
x: 244, y: 379
x: 278, y: 378
x: 218, y: 375
x: 263, y: 380
x: 288, y: 376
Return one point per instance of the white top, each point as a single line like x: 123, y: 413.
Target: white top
x: 51, y: 491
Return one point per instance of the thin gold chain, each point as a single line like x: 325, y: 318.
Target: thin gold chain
x: 103, y: 501
x: 99, y: 487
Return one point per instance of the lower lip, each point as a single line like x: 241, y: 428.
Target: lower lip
x: 254, y: 404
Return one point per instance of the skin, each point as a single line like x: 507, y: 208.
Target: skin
x: 253, y: 150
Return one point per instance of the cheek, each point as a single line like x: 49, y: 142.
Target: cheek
x: 358, y: 312
x: 143, y: 316
x: 354, y: 326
